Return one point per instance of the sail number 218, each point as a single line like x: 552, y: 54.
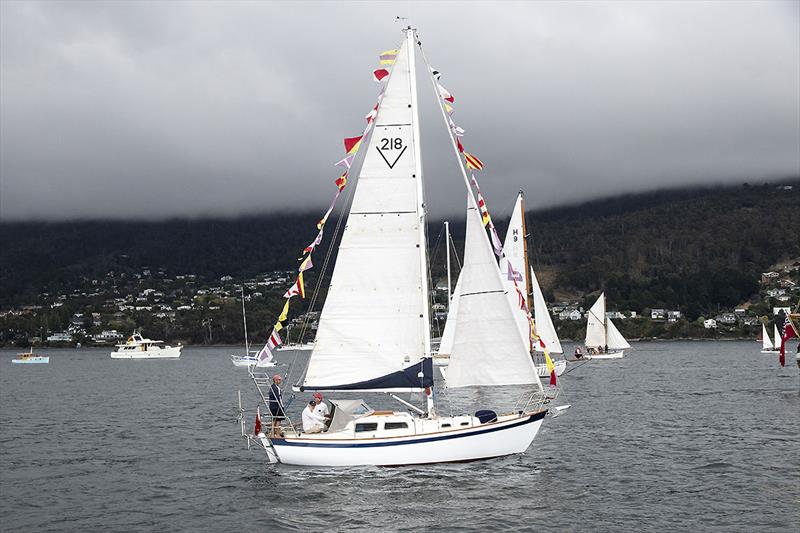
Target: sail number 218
x: 395, y: 143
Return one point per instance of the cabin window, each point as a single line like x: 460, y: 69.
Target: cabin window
x: 464, y: 423
x: 366, y: 427
x: 445, y: 425
x: 395, y: 425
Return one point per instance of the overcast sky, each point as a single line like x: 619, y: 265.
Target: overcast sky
x: 153, y: 110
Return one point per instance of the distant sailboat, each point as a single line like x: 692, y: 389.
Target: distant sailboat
x: 603, y: 339
x: 515, y: 247
x: 766, y: 342
x: 247, y: 359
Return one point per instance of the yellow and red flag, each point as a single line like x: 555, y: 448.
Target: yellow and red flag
x: 388, y: 57
x: 484, y: 212
x: 351, y: 144
x: 550, y: 368
x: 341, y: 181
x: 473, y: 163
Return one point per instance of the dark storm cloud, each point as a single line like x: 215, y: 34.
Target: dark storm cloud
x: 152, y: 110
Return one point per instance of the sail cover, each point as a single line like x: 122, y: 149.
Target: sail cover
x: 544, y: 324
x: 615, y: 339
x: 595, y: 324
x: 446, y: 344
x: 373, y: 330
x: 487, y: 346
x: 514, y: 255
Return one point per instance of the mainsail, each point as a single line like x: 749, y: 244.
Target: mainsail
x: 595, y: 324
x: 778, y: 340
x: 487, y: 346
x: 514, y: 256
x: 544, y: 324
x: 766, y: 342
x: 374, y: 328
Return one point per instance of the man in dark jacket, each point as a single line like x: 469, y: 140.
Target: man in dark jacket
x: 276, y: 405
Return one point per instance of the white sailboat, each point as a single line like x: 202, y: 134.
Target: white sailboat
x: 515, y: 247
x: 777, y: 335
x: 246, y: 359
x: 603, y: 339
x: 766, y: 343
x: 374, y: 328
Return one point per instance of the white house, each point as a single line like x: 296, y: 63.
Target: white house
x: 60, y: 337
x: 673, y: 316
x: 779, y: 310
x: 657, y: 314
x: 710, y: 324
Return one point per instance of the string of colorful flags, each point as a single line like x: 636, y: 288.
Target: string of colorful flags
x: 351, y: 148
x: 473, y: 163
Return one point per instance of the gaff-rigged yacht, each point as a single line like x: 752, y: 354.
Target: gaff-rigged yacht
x: 374, y: 328
x: 603, y: 339
x: 515, y: 247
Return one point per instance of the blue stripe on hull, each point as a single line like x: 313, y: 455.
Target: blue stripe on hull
x: 532, y: 418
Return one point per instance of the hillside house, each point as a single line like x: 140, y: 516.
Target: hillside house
x: 710, y: 324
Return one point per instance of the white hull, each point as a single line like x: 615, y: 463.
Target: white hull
x: 242, y: 361
x: 299, y: 347
x: 560, y: 364
x: 32, y: 360
x: 609, y: 355
x: 167, y: 352
x: 511, y: 434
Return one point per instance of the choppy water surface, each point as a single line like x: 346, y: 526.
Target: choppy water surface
x: 677, y: 436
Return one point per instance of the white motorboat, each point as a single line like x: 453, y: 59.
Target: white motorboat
x: 137, y: 347
x: 31, y: 358
x: 374, y: 333
x: 603, y: 339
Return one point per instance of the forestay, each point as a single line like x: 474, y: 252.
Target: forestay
x: 595, y: 325
x: 373, y: 330
x: 487, y: 347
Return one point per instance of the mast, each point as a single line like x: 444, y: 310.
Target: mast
x: 244, y: 319
x: 423, y: 241
x: 447, y: 248
x: 525, y: 252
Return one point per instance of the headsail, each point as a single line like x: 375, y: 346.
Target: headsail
x: 544, y: 324
x: 487, y: 347
x: 374, y: 329
x: 595, y: 324
x: 514, y: 255
x: 446, y: 344
x: 615, y: 339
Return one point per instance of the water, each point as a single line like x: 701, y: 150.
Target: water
x: 676, y: 436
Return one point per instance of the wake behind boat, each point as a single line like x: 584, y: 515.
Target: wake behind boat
x: 138, y: 347
x: 374, y: 333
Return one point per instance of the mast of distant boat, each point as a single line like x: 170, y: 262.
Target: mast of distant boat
x: 447, y: 250
x: 244, y: 319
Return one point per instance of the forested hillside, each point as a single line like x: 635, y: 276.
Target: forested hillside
x: 690, y: 249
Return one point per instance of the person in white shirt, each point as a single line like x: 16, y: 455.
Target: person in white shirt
x: 312, y: 423
x: 321, y: 409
